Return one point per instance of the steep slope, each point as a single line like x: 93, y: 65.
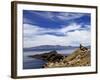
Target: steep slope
x: 80, y: 57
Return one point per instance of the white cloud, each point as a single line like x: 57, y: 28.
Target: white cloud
x: 33, y: 38
x: 36, y: 30
x: 69, y: 16
x: 60, y: 15
x: 48, y: 15
x: 30, y: 29
x: 73, y: 26
x: 78, y: 37
x: 47, y: 40
x: 26, y: 20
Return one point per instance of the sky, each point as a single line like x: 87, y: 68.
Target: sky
x: 56, y: 28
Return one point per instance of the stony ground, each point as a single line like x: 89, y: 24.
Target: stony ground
x: 77, y: 58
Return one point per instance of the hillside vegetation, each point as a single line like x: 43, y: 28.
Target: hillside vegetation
x: 80, y: 57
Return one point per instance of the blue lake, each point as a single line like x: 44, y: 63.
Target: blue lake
x: 33, y: 63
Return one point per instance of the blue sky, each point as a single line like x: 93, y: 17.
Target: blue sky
x: 56, y: 28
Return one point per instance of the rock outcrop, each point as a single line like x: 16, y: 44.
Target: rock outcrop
x: 52, y: 56
x: 80, y: 57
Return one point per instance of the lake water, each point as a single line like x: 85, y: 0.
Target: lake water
x: 33, y: 63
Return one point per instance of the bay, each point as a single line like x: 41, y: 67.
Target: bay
x: 33, y: 63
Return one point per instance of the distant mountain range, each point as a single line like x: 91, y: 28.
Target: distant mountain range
x: 49, y: 47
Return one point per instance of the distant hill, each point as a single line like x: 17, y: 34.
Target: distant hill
x: 49, y: 47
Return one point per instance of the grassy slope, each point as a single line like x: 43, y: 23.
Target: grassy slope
x: 77, y: 58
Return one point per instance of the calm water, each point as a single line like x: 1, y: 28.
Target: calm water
x: 33, y: 63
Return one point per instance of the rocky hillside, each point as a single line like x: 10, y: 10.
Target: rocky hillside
x: 52, y: 56
x: 80, y: 57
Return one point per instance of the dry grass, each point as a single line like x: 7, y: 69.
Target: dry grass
x: 77, y: 58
